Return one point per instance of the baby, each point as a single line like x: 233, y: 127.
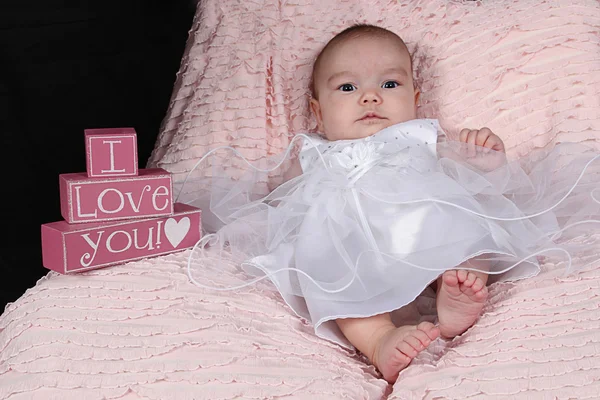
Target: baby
x: 362, y: 83
x: 380, y: 206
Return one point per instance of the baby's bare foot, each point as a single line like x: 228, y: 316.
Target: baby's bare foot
x: 397, y: 347
x: 460, y: 297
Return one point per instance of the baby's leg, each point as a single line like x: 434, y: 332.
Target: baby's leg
x: 389, y: 348
x: 461, y: 295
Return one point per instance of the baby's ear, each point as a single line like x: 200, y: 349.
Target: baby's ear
x: 417, y: 96
x: 316, y: 109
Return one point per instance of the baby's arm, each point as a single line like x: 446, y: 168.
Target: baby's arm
x: 293, y: 171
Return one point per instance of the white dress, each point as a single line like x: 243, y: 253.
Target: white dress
x: 372, y: 222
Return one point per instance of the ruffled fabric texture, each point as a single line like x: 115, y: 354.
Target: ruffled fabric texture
x: 528, y: 69
x: 143, y: 331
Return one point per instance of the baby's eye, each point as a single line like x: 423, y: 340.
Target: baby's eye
x: 390, y: 85
x: 347, y: 87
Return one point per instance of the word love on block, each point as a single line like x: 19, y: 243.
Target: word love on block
x: 111, y: 152
x: 84, y: 199
x: 73, y: 248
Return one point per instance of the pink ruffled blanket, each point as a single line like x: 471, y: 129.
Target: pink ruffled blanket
x: 141, y: 330
x: 529, y: 69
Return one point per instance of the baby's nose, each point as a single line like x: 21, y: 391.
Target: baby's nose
x: 371, y: 97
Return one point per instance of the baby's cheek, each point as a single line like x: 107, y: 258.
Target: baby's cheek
x: 334, y: 127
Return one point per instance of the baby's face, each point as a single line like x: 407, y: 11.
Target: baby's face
x: 363, y: 85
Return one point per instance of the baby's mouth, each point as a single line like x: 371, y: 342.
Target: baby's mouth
x: 371, y: 116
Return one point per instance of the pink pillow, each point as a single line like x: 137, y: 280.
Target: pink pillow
x: 528, y: 69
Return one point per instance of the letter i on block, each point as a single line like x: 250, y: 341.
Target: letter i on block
x: 111, y: 152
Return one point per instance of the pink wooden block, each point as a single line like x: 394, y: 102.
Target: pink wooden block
x: 68, y: 248
x: 84, y: 199
x: 111, y: 152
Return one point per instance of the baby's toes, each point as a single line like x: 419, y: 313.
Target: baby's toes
x: 423, y: 337
x: 482, y: 293
x: 450, y: 278
x: 478, y: 284
x: 471, y: 278
x: 407, y: 349
x: 414, y: 342
x: 462, y: 275
x: 432, y: 331
x: 476, y: 292
x: 468, y: 291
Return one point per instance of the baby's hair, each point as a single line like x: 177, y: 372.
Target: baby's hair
x: 352, y: 32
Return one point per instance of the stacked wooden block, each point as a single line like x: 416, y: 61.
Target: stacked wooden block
x: 114, y: 212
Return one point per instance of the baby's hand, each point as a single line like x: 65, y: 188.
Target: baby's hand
x: 483, y: 137
x: 484, y: 150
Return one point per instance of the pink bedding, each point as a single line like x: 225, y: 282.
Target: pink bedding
x: 529, y: 69
x: 141, y: 330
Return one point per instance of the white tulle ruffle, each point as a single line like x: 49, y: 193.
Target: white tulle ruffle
x: 370, y: 223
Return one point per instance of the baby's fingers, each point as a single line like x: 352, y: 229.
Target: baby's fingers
x: 469, y: 136
x: 463, y: 135
x: 498, y: 145
x: 494, y: 143
x: 483, y: 137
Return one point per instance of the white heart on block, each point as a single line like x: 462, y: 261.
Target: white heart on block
x: 176, y: 231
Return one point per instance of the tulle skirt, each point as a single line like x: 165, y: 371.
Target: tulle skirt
x: 359, y: 238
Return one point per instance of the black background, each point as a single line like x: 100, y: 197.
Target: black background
x: 66, y: 66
